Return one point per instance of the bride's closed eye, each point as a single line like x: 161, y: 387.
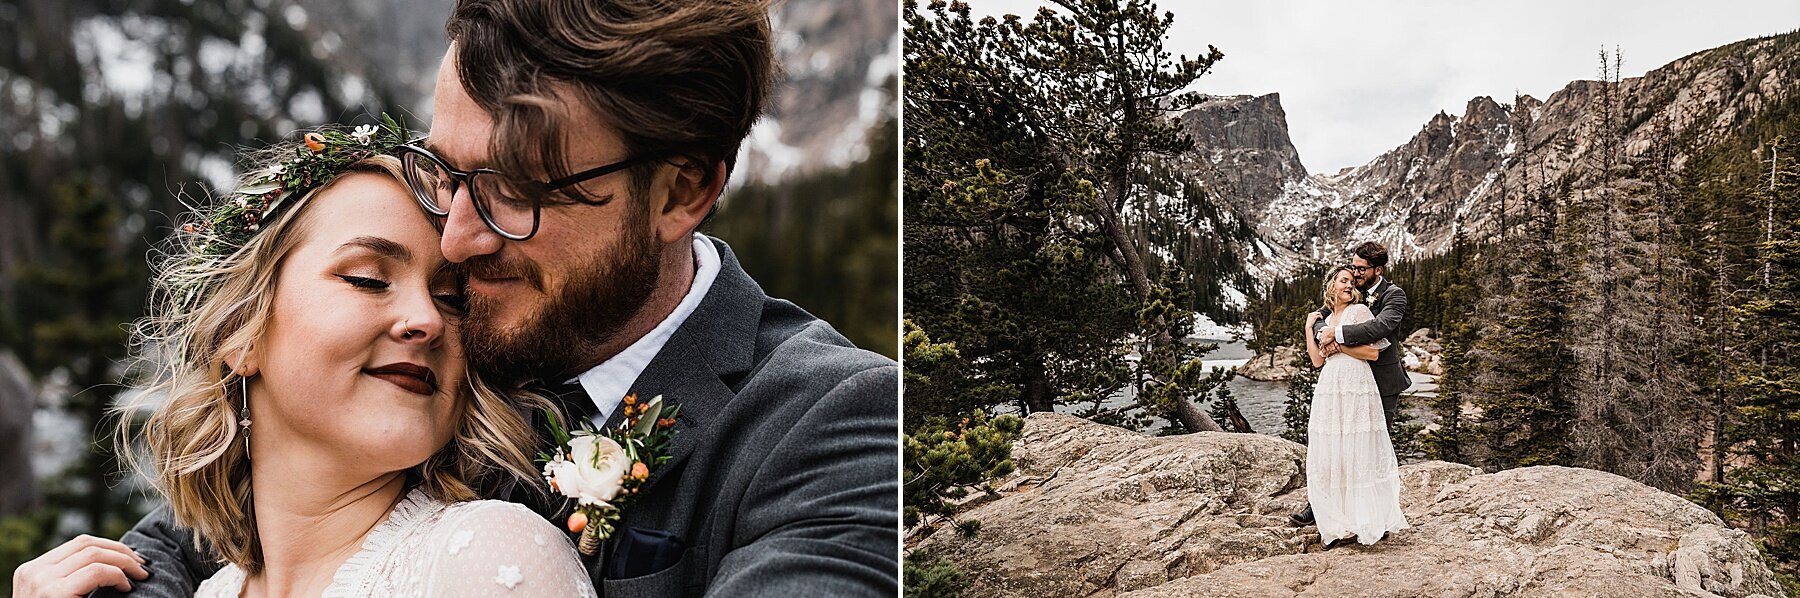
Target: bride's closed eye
x: 364, y: 282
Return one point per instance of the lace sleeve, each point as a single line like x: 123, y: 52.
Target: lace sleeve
x: 1358, y: 313
x: 497, y: 548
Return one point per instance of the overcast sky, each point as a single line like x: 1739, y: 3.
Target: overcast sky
x: 1360, y: 78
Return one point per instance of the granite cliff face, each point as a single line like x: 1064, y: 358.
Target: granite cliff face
x: 1096, y: 510
x: 1243, y: 150
x: 1460, y: 171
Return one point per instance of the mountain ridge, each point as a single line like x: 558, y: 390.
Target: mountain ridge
x: 1454, y: 174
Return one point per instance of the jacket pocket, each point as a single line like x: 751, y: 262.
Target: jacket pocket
x: 687, y: 577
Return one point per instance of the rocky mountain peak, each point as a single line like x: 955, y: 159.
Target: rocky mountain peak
x: 1242, y: 148
x: 1455, y: 172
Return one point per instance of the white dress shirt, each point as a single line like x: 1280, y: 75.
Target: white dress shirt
x: 608, y: 382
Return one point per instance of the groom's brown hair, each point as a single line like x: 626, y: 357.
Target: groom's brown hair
x: 687, y: 77
x: 1374, y: 253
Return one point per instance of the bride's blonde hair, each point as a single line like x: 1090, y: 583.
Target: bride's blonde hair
x: 1325, y: 293
x: 205, y: 308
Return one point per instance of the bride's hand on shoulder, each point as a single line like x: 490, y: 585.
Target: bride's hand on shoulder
x: 78, y: 567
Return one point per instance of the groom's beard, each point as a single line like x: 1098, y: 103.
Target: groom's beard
x: 590, y: 310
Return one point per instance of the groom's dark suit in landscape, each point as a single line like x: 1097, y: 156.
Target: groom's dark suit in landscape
x: 782, y: 480
x: 1389, y: 307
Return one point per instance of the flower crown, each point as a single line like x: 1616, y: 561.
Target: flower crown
x: 323, y: 155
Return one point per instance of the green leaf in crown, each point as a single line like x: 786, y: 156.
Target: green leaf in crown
x: 322, y: 155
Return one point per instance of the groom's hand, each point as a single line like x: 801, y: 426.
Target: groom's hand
x: 1330, y: 347
x: 79, y: 566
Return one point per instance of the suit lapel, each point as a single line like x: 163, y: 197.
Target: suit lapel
x: 715, y: 344
x: 1376, y: 292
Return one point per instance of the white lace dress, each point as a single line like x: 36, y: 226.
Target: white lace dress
x: 1352, y: 476
x: 431, y: 548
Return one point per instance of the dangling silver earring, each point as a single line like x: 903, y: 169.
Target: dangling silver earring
x: 244, y: 413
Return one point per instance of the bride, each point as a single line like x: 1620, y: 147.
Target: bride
x: 319, y: 431
x: 1352, y: 475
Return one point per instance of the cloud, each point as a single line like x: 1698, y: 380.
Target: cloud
x: 1359, y: 78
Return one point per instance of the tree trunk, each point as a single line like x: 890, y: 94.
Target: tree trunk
x: 1037, y: 391
x: 1238, y: 422
x: 1194, y: 419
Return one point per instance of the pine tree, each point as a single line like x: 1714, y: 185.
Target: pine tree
x: 1763, y: 491
x: 80, y: 300
x: 1632, y: 416
x: 1298, y: 412
x: 946, y: 459
x: 1023, y: 144
x: 1452, y: 430
x: 1525, y: 372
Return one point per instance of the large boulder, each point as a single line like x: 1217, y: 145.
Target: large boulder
x: 1272, y: 366
x: 1099, y: 511
x: 1424, y: 354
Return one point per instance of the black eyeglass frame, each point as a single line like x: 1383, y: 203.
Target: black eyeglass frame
x: 427, y: 201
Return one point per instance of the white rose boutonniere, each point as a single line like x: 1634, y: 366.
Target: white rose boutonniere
x: 594, y: 485
x: 603, y: 472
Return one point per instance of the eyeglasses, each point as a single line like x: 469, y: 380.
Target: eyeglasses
x: 509, y: 206
x: 1360, y: 269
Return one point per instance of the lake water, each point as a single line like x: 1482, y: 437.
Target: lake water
x: 1262, y: 403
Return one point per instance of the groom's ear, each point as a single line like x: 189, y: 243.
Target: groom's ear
x: 693, y: 192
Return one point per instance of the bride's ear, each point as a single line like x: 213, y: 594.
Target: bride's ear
x: 242, y: 362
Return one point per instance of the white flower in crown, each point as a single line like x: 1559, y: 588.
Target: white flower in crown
x: 363, y: 134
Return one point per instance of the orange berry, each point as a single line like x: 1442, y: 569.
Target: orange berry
x: 667, y: 422
x: 639, y: 470
x: 631, y: 399
x: 577, y: 522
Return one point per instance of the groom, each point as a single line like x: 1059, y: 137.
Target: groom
x: 1387, y: 301
x: 782, y: 479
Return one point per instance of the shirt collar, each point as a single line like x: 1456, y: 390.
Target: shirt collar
x: 607, y: 383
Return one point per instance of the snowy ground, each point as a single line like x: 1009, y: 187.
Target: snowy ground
x: 1205, y: 328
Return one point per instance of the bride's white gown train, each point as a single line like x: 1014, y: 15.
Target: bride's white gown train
x: 431, y: 548
x: 1352, y: 476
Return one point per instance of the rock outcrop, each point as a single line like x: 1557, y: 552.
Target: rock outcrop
x: 1243, y: 150
x: 1274, y: 366
x: 1096, y: 510
x: 1424, y: 354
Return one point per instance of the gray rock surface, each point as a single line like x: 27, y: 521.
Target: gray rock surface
x: 1096, y: 510
x: 1274, y: 366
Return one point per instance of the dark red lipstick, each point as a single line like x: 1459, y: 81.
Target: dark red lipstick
x: 412, y: 377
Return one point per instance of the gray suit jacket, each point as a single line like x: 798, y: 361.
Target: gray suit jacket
x: 1389, y: 309
x: 782, y: 480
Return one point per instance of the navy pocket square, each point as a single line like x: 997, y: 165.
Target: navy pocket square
x: 639, y: 552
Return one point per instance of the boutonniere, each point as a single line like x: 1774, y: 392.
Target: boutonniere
x: 1373, y: 297
x: 603, y: 472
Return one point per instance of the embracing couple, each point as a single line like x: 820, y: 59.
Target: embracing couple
x: 362, y: 348
x: 1352, y: 473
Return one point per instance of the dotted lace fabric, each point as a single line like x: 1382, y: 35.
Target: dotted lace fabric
x: 1352, y: 476
x: 430, y: 548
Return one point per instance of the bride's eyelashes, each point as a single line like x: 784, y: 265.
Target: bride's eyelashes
x: 364, y: 282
